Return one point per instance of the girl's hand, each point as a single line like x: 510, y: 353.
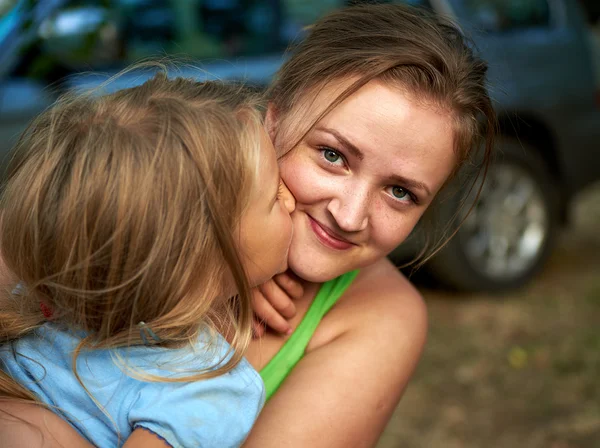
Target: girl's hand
x: 273, y: 303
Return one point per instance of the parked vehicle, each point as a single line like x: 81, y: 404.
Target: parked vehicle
x: 541, y: 79
x: 543, y: 84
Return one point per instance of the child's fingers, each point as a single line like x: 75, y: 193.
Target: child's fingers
x: 279, y: 299
x: 265, y: 312
x: 258, y: 328
x: 290, y: 283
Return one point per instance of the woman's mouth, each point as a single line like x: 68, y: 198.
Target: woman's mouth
x: 326, y: 236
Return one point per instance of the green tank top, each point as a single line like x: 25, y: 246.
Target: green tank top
x: 292, y: 351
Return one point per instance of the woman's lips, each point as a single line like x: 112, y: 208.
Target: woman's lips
x: 326, y: 238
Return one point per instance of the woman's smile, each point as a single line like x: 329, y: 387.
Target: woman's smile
x: 327, y: 236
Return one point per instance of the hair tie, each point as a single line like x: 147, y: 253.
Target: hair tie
x: 145, y: 329
x: 46, y: 310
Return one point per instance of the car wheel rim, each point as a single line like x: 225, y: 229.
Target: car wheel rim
x: 505, y: 233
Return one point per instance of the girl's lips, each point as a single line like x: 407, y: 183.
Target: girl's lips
x: 327, y: 239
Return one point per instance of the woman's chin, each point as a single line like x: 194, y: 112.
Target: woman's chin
x: 315, y: 272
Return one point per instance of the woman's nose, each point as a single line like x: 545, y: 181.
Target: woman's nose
x: 288, y: 199
x: 350, y: 210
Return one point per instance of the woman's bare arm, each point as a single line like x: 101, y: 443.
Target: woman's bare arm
x: 28, y: 425
x: 24, y: 425
x: 343, y: 392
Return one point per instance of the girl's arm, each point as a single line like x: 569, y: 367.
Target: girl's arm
x: 343, y: 392
x: 142, y: 438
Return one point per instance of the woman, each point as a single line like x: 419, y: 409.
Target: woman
x: 374, y: 112
x: 390, y: 101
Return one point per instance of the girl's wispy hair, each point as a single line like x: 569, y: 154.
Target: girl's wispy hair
x: 123, y: 208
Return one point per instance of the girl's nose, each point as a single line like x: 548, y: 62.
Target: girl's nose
x: 287, y: 197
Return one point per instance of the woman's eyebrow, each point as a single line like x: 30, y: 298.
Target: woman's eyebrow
x: 349, y: 146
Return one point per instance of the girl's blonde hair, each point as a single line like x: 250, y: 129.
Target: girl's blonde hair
x: 122, y: 209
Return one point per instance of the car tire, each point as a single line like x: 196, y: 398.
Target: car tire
x: 509, y: 234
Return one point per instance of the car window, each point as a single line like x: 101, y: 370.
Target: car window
x: 9, y: 15
x: 508, y: 15
x: 224, y: 28
x: 92, y: 36
x: 298, y: 14
x: 74, y: 36
x: 201, y: 29
x: 419, y: 3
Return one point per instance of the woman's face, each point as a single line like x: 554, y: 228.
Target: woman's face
x: 363, y: 177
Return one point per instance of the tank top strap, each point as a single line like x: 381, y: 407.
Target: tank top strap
x: 280, y: 366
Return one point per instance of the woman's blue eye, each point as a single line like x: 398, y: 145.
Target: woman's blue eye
x: 399, y: 192
x: 330, y: 155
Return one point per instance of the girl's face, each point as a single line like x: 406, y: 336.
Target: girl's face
x: 266, y: 226
x: 363, y: 177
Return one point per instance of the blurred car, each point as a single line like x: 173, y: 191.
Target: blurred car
x: 542, y: 82
x: 544, y: 88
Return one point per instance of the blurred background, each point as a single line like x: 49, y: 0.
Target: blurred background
x: 513, y: 357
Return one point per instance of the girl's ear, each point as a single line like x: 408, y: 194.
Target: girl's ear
x: 271, y: 121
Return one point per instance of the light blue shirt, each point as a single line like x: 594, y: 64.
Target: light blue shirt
x: 216, y: 412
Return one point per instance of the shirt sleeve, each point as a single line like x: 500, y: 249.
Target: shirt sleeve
x: 216, y: 412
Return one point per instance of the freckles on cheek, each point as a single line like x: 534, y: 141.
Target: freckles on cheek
x: 390, y: 229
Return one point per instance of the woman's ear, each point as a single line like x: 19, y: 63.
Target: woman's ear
x: 278, y: 132
x: 271, y: 121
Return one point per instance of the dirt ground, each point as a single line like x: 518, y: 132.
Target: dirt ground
x: 521, y: 370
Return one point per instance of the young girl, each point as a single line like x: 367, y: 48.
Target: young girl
x: 131, y: 220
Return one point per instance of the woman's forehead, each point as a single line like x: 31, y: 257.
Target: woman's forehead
x: 382, y: 113
x: 367, y: 101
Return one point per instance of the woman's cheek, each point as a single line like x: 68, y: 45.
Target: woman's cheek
x: 389, y: 230
x: 305, y: 180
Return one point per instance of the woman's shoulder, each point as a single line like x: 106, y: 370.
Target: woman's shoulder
x: 381, y: 292
x: 384, y: 280
x: 381, y: 302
